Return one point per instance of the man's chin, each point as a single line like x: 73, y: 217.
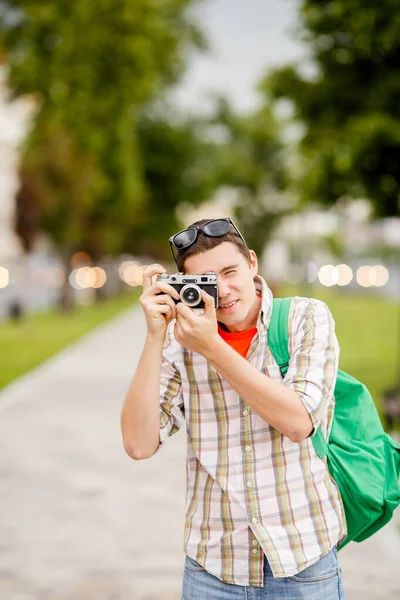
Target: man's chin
x: 229, y: 319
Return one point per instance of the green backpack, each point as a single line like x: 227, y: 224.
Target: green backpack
x: 362, y: 459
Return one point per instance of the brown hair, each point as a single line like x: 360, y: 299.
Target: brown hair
x: 204, y: 242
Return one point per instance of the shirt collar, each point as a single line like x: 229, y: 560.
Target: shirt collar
x: 264, y: 316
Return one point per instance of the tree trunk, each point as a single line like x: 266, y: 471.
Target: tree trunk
x: 65, y: 301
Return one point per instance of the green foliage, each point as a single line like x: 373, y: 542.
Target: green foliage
x: 89, y: 67
x: 178, y: 169
x: 251, y: 160
x: 351, y: 109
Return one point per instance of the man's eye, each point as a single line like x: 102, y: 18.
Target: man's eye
x: 232, y: 271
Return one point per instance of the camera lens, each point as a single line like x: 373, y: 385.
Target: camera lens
x: 191, y: 295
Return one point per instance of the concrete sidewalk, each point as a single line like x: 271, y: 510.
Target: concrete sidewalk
x: 79, y: 519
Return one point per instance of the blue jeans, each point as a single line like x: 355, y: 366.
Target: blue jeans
x: 321, y: 581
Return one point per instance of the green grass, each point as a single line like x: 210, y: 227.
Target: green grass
x: 26, y: 344
x: 367, y: 328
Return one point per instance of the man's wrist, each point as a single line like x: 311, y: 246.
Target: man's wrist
x: 214, y: 348
x: 155, y: 340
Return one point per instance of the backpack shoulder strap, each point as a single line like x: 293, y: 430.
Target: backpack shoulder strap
x: 278, y: 342
x: 278, y: 336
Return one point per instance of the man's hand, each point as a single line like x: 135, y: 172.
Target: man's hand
x: 157, y: 303
x: 197, y: 332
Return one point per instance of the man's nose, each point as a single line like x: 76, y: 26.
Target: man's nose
x: 223, y: 289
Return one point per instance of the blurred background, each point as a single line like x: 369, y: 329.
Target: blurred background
x: 123, y: 121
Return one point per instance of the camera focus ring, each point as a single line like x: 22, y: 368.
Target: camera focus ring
x: 191, y: 294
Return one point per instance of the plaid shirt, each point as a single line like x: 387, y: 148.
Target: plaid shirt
x: 250, y: 490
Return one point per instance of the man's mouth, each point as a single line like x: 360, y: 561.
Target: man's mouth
x: 227, y: 305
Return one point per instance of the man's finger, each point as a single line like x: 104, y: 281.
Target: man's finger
x: 209, y: 304
x: 161, y: 286
x: 150, y: 272
x: 185, y: 312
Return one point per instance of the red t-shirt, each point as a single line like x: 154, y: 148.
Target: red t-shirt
x: 238, y: 340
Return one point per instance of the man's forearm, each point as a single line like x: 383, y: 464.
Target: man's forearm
x: 140, y: 416
x: 278, y: 405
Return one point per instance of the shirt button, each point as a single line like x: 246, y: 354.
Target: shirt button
x: 249, y: 484
x: 255, y: 542
x: 245, y: 413
x: 255, y: 551
x: 248, y: 448
x: 254, y: 520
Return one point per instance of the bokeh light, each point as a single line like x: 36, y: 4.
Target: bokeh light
x: 345, y: 274
x: 85, y: 277
x: 365, y: 276
x: 124, y: 266
x: 82, y: 278
x: 328, y: 275
x: 381, y: 275
x: 132, y: 273
x: 100, y: 277
x: 4, y: 277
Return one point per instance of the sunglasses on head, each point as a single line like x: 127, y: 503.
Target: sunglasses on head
x: 213, y: 228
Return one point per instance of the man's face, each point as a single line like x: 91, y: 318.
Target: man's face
x: 237, y: 299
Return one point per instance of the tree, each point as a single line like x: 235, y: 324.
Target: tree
x: 250, y: 160
x: 178, y: 167
x: 351, y: 109
x: 90, y: 67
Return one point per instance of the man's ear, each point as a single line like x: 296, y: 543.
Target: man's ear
x: 253, y: 263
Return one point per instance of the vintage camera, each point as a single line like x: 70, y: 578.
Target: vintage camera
x: 189, y: 287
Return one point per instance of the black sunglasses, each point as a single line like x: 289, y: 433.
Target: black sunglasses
x: 213, y: 228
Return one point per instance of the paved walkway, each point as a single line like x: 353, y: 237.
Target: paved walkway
x: 80, y: 520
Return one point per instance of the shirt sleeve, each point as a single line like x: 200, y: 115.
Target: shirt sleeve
x: 314, y: 356
x: 172, y: 413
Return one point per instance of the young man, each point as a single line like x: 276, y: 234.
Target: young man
x: 263, y: 514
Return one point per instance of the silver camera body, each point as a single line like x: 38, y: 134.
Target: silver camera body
x: 189, y: 287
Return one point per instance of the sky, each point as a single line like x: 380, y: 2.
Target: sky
x: 246, y: 37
